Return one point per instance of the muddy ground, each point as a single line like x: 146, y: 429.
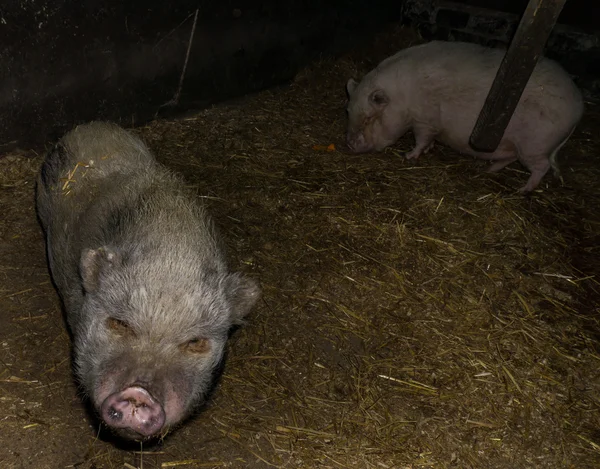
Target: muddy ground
x: 415, y: 314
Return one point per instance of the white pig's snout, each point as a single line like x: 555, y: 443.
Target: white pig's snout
x: 356, y: 142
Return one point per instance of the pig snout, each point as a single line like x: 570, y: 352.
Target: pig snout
x: 357, y: 143
x: 133, y: 410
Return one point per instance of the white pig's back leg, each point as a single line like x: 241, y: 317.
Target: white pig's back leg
x: 553, y: 155
x: 538, y: 165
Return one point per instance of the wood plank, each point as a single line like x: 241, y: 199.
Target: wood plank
x: 519, y: 61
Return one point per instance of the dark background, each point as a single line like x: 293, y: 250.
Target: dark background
x: 69, y: 61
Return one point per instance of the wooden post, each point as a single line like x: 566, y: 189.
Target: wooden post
x: 519, y: 61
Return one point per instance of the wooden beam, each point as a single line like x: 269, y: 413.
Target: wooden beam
x: 519, y: 61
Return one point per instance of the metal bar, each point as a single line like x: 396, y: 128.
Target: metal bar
x: 515, y: 70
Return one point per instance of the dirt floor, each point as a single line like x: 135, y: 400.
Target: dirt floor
x: 415, y: 314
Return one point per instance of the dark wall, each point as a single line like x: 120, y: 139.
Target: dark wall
x: 581, y: 13
x: 69, y: 61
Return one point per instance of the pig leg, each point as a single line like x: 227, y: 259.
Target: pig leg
x: 505, y: 154
x: 539, y: 166
x: 498, y: 165
x: 424, y: 139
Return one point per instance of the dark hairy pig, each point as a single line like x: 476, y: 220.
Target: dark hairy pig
x: 141, y: 270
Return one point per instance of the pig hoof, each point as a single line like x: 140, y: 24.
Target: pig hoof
x: 525, y: 190
x: 428, y: 147
x: 410, y: 155
x: 133, y: 410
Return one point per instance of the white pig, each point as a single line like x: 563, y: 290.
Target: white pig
x: 437, y: 89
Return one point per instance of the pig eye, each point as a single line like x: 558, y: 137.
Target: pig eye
x: 196, y: 346
x: 119, y: 328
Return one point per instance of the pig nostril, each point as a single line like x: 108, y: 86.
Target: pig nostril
x: 114, y: 414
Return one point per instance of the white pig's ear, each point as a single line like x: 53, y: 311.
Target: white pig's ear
x: 243, y: 293
x: 379, y: 98
x: 351, y: 86
x: 93, y: 262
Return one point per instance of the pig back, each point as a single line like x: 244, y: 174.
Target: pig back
x: 100, y: 185
x: 449, y: 83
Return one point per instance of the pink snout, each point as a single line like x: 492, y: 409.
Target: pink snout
x: 357, y: 143
x: 133, y: 410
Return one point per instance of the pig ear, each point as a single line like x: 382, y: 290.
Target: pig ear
x: 379, y: 98
x: 93, y: 262
x: 243, y: 293
x: 351, y: 86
